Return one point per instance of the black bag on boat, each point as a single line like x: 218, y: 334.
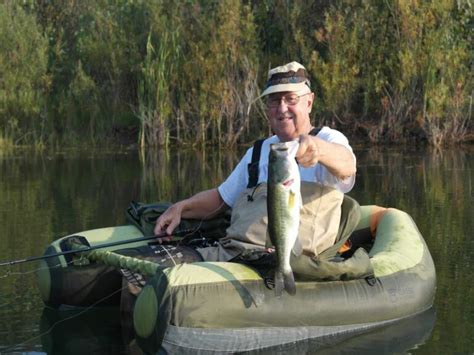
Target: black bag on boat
x: 144, y: 217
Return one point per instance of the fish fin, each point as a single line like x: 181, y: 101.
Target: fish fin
x: 268, y: 241
x: 289, y: 281
x: 291, y: 199
x: 297, y: 248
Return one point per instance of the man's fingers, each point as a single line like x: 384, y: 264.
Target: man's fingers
x: 167, y: 222
x: 164, y: 239
x: 165, y: 225
x: 301, y: 147
x: 307, y: 154
x: 308, y: 160
x: 170, y: 228
x: 158, y: 228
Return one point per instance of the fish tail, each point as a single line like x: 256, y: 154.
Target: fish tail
x: 279, y: 283
x: 289, y: 281
x: 284, y: 281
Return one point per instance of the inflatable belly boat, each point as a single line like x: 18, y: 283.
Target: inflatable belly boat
x: 222, y: 306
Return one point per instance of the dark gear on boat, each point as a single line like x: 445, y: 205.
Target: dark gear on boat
x: 164, y: 255
x: 144, y: 217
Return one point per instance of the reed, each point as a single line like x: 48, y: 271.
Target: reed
x: 156, y: 88
x: 188, y: 72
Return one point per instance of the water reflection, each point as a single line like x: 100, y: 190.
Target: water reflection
x: 45, y: 196
x: 167, y: 176
x: 101, y: 331
x: 93, y: 331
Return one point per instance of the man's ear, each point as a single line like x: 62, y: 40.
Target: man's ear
x: 310, y: 102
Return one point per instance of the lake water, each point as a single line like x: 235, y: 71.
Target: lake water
x: 45, y: 196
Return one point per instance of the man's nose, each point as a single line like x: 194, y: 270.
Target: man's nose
x: 282, y: 105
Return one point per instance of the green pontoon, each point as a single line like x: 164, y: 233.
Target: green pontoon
x: 219, y: 306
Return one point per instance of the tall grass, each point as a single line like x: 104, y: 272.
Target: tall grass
x: 169, y: 72
x: 155, y: 88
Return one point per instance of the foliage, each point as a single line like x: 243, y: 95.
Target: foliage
x: 221, y: 74
x: 406, y: 63
x: 435, y: 33
x: 24, y: 79
x: 158, y: 77
x: 168, y: 72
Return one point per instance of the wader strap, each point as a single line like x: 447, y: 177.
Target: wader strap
x: 315, y: 131
x: 253, y: 166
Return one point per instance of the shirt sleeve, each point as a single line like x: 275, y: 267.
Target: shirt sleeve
x: 236, y: 182
x: 322, y: 174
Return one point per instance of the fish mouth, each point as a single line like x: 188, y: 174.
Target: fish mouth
x: 281, y: 148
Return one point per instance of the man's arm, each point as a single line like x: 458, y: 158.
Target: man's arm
x: 203, y: 205
x: 335, y: 157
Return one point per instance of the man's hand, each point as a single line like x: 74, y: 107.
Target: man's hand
x: 335, y: 157
x: 168, y: 221
x: 203, y: 205
x: 308, y: 153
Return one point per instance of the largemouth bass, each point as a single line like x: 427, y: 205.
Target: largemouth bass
x: 283, y: 206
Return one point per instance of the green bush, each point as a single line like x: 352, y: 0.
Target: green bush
x: 171, y: 72
x: 398, y: 70
x: 24, y: 80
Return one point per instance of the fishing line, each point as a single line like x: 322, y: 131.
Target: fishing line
x: 7, y: 273
x: 10, y: 273
x: 169, y: 254
x: 82, y: 257
x: 202, y: 221
x: 210, y: 214
x: 192, y: 232
x: 65, y: 319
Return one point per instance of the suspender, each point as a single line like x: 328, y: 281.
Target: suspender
x: 315, y: 131
x: 254, y: 164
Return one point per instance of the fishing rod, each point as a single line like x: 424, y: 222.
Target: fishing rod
x: 90, y: 248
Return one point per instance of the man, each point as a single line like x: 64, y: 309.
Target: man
x: 326, y: 164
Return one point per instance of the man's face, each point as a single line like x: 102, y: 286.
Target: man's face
x: 288, y: 114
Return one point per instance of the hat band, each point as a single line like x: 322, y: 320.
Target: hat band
x: 287, y: 80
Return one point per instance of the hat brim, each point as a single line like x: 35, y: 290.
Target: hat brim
x: 285, y: 88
